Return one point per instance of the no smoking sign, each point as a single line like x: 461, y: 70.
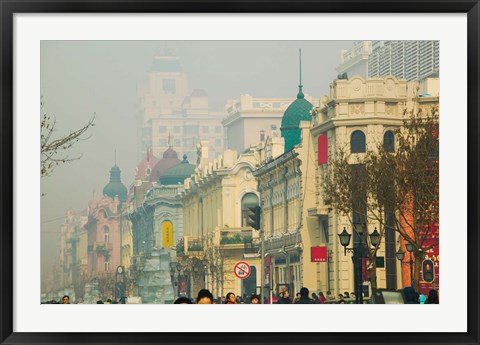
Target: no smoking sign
x: 242, y: 270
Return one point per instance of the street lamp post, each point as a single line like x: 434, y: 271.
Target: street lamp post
x: 401, y: 255
x: 357, y: 252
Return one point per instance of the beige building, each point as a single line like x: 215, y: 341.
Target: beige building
x: 170, y: 115
x: 248, y: 120
x: 359, y: 115
x: 216, y: 236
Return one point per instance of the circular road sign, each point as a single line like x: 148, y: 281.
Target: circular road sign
x: 242, y: 270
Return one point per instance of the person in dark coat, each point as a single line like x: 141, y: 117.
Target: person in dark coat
x: 410, y: 295
x: 432, y: 297
x: 304, y: 299
x: 284, y: 298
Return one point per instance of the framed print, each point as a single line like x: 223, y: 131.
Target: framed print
x: 239, y: 153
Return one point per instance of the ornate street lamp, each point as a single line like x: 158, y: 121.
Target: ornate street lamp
x: 400, y: 255
x: 375, y: 238
x: 344, y: 238
x: 409, y: 247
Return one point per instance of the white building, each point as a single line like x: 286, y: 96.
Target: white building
x: 410, y: 60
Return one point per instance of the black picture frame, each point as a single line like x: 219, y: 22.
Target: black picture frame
x: 10, y: 7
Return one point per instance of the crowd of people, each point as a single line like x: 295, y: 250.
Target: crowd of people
x: 303, y: 297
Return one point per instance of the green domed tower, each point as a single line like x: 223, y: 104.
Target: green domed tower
x: 115, y: 186
x: 298, y: 111
x: 178, y: 173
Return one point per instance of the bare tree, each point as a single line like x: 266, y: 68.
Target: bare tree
x: 54, y: 150
x: 401, y: 186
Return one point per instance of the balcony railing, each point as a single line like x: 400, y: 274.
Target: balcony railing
x: 195, y: 245
x: 235, y: 235
x: 251, y: 247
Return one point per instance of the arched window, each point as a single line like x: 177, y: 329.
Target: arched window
x: 389, y: 141
x: 357, y: 142
x: 106, y: 234
x: 248, y: 200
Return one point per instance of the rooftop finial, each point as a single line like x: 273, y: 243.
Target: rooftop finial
x: 115, y: 157
x: 300, y: 93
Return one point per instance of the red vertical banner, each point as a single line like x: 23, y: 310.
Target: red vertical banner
x: 322, y: 149
x: 267, y: 269
x: 365, y: 275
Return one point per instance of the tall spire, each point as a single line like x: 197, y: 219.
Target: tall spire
x: 115, y: 157
x: 300, y: 86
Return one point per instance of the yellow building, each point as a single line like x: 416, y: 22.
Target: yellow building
x: 216, y: 237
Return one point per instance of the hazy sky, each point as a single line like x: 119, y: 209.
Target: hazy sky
x: 80, y: 78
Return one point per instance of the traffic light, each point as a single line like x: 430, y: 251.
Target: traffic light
x: 253, y: 217
x: 428, y: 271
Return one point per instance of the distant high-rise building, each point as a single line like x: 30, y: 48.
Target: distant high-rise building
x: 410, y: 60
x: 355, y: 61
x: 169, y: 115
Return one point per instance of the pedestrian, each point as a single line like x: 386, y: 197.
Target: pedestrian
x: 330, y: 296
x: 321, y: 298
x: 342, y: 301
x: 432, y: 297
x: 297, y: 297
x: 100, y: 302
x: 410, y: 295
x: 231, y: 298
x: 346, y: 295
x: 285, y: 298
x: 315, y: 298
x: 66, y: 299
x: 304, y: 299
x: 204, y: 297
x: 254, y: 299
x: 79, y: 300
x: 109, y: 301
x: 340, y: 298
x: 183, y: 300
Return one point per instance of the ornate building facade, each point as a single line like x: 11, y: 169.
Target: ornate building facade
x: 215, y: 203
x: 359, y: 115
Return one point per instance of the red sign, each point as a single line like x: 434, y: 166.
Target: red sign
x: 322, y: 149
x: 242, y: 270
x: 319, y: 254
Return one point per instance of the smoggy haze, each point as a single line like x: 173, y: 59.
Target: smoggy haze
x: 80, y: 78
